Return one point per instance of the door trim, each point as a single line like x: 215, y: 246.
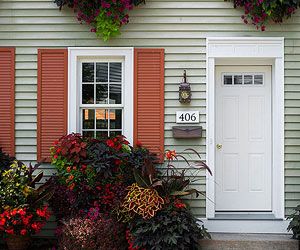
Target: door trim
x: 248, y: 51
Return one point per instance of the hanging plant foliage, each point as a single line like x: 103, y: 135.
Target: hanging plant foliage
x: 104, y: 16
x: 261, y: 12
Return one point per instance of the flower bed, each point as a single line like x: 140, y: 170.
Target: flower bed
x: 110, y: 195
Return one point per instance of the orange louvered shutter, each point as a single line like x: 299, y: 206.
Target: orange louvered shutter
x: 7, y: 100
x: 149, y: 99
x: 52, y: 99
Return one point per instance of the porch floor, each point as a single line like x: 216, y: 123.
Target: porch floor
x: 228, y: 241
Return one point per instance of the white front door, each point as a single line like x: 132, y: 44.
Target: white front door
x: 243, y: 138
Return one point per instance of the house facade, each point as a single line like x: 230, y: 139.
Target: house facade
x: 56, y: 77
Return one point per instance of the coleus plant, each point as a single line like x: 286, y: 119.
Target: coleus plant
x: 261, y: 12
x: 105, y: 16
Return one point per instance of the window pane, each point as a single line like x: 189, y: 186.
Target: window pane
x: 248, y: 79
x: 258, y: 79
x: 88, y: 119
x: 88, y: 133
x: 238, y: 79
x: 115, y: 119
x: 101, y: 135
x: 87, y: 72
x: 115, y: 72
x: 101, y: 93
x: 228, y: 79
x: 102, y: 72
x: 115, y: 94
x: 101, y: 118
x: 87, y: 93
x: 115, y: 133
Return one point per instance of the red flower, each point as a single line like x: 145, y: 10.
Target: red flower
x: 55, y: 142
x: 58, y: 150
x: 2, y: 221
x: 171, y: 154
x: 117, y: 162
x: 9, y: 231
x: 36, y: 226
x: 110, y: 143
x: 138, y: 144
x: 23, y: 232
x: 55, y: 156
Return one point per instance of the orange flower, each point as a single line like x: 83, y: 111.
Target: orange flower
x: 71, y: 177
x: 72, y: 186
x: 74, y: 168
x: 171, y: 154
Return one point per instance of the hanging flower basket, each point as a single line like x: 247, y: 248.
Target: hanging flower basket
x: 18, y: 242
x: 262, y: 12
x: 104, y: 16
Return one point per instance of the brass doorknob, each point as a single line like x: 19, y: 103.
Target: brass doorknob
x: 219, y: 146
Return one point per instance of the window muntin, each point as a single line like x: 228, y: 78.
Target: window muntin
x: 101, y: 98
x: 238, y: 79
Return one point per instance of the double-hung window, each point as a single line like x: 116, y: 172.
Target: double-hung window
x: 101, y: 92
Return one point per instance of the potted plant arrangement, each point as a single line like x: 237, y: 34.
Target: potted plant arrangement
x: 110, y: 195
x: 260, y: 12
x: 23, y: 211
x: 104, y: 17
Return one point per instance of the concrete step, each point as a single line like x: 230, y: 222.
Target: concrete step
x: 227, y: 241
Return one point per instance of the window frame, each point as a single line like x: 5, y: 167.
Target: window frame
x: 75, y: 58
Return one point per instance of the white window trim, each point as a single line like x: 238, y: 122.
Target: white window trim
x: 74, y: 56
x: 225, y: 50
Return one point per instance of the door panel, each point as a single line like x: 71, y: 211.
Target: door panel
x: 243, y: 132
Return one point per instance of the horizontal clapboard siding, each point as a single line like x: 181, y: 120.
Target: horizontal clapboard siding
x: 180, y: 27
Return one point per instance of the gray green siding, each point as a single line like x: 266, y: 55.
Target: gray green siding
x: 179, y: 26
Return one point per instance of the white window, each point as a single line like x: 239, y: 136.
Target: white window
x: 101, y: 92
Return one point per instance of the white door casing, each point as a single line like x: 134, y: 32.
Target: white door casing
x: 247, y: 51
x: 243, y: 138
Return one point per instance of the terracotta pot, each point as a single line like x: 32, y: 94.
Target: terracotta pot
x: 18, y: 242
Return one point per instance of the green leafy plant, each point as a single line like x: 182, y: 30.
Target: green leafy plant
x: 260, y: 12
x: 18, y: 187
x: 106, y: 27
x: 169, y: 229
x: 295, y: 223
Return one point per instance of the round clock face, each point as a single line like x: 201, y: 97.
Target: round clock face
x: 185, y: 94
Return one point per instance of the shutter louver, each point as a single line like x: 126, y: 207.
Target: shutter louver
x: 149, y: 100
x: 7, y: 100
x: 52, y: 99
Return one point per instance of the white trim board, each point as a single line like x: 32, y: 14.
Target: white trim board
x: 74, y: 56
x: 247, y: 226
x: 247, y: 50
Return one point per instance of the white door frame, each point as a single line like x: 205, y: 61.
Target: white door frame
x: 262, y: 50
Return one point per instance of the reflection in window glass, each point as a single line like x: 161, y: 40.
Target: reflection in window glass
x: 88, y: 118
x: 258, y: 79
x: 248, y: 79
x: 101, y: 119
x: 116, y: 119
x: 87, y: 93
x: 115, y: 94
x: 228, y: 79
x: 87, y: 72
x: 115, y: 72
x: 238, y: 79
x: 102, y: 72
x: 101, y: 93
